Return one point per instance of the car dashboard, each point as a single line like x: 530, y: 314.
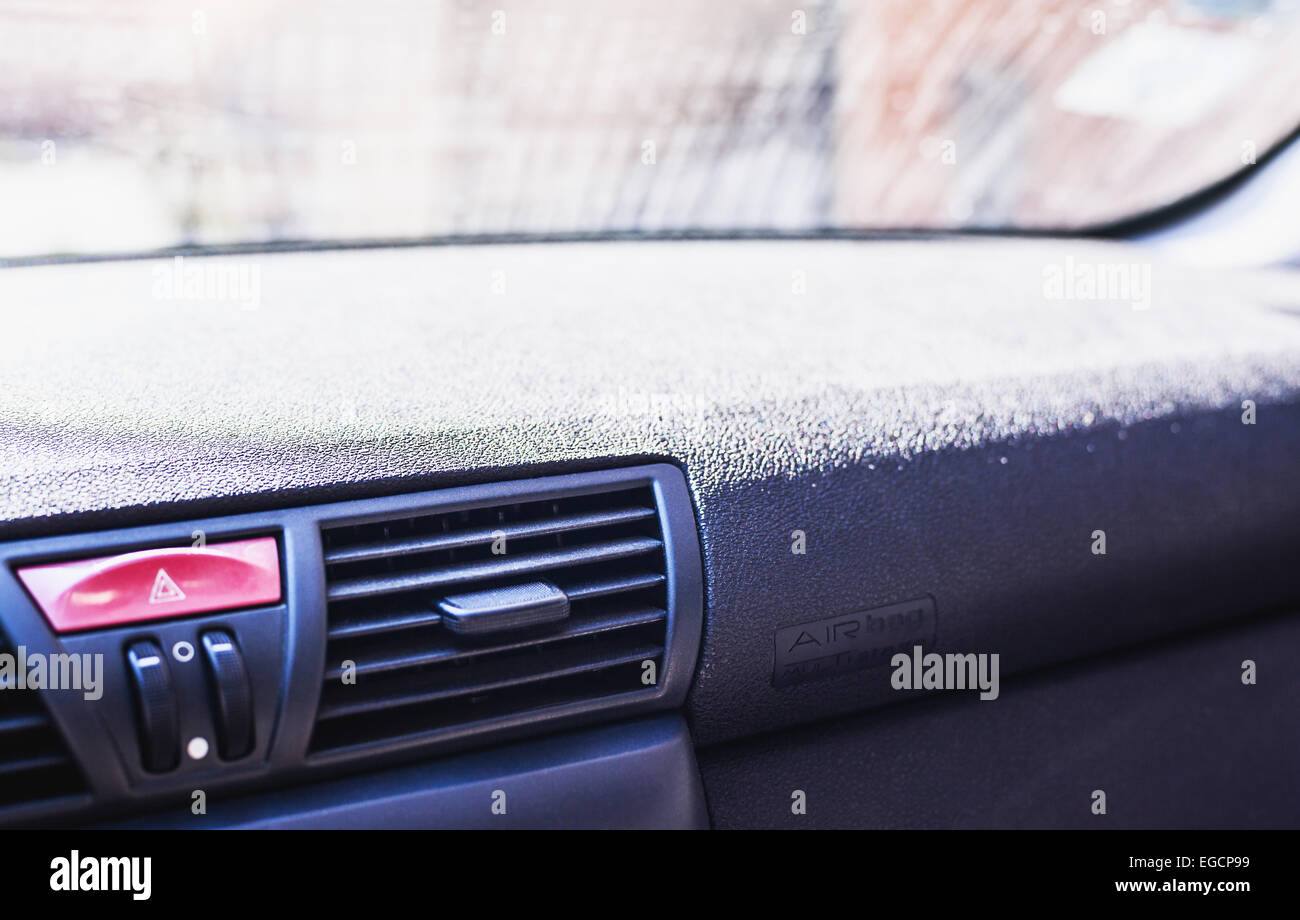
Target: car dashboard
x: 627, y: 534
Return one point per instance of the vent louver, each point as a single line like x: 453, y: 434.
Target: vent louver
x: 35, y: 763
x: 397, y: 666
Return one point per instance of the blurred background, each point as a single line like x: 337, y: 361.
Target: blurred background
x: 144, y: 124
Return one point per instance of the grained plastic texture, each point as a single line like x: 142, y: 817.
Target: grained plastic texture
x: 933, y: 419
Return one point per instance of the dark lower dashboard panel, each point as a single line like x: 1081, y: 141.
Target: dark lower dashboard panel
x: 636, y: 775
x: 1169, y: 732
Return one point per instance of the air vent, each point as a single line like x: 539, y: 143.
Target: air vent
x: 35, y: 764
x: 490, y: 612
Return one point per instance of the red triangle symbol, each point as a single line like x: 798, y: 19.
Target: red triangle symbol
x: 164, y: 589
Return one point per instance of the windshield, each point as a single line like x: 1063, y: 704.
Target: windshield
x: 133, y: 126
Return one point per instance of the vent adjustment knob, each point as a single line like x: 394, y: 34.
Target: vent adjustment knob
x: 496, y: 609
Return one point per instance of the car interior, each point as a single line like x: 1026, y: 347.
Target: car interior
x: 860, y: 415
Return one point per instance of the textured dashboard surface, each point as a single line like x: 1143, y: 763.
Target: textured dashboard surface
x: 932, y: 419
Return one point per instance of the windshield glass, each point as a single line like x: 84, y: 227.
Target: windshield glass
x: 144, y: 124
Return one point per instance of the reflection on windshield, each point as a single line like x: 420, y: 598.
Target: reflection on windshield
x: 139, y: 125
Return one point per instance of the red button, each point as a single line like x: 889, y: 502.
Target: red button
x: 155, y: 584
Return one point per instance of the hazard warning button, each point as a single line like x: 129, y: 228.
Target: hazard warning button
x: 155, y: 584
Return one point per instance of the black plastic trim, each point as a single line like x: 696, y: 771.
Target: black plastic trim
x: 635, y: 775
x: 117, y: 786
